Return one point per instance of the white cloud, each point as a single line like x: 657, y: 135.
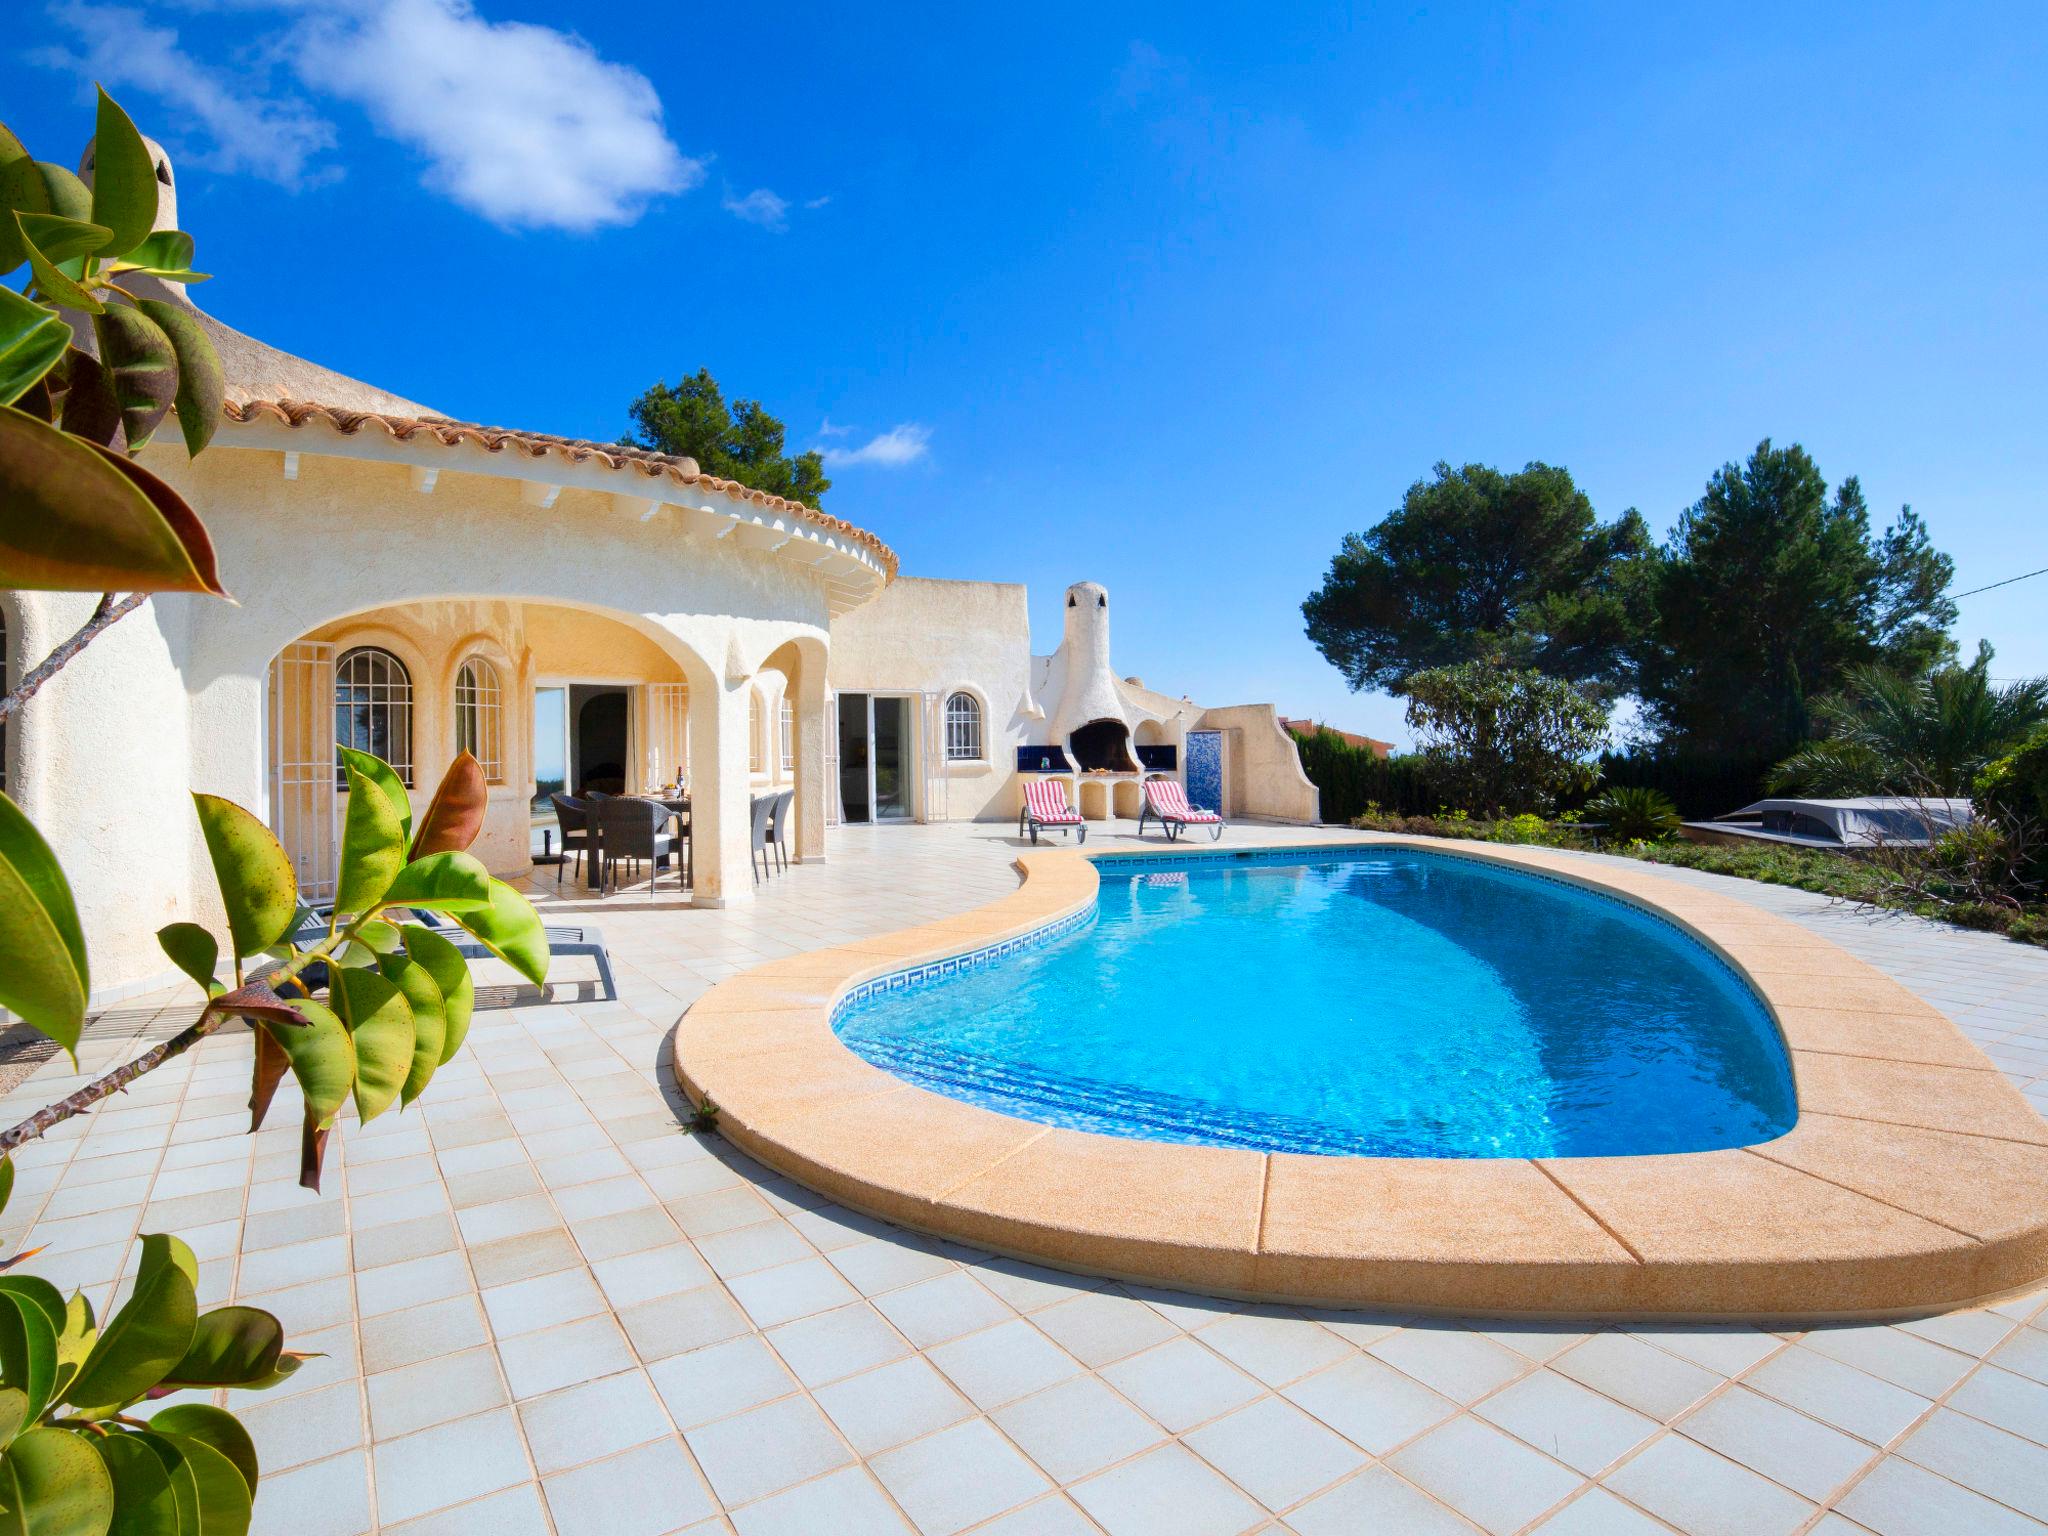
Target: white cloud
x: 817, y: 202
x: 830, y: 428
x: 900, y: 445
x: 761, y: 207
x: 523, y: 124
x: 264, y: 135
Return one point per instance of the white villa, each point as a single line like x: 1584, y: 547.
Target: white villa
x: 415, y: 585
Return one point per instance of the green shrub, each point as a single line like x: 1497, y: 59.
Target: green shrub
x: 1634, y: 813
x: 1351, y: 778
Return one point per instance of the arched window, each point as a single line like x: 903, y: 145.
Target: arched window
x: 373, y: 708
x: 479, y: 717
x: 788, y: 737
x: 963, y: 728
x: 757, y: 736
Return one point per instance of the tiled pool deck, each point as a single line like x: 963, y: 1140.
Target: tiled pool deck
x: 546, y: 1309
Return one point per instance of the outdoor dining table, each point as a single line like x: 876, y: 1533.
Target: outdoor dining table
x: 593, y: 863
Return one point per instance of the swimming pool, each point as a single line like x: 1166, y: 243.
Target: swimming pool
x: 1390, y: 1002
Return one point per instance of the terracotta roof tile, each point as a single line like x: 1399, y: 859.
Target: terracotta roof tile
x: 540, y: 445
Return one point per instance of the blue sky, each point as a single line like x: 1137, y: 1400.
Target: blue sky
x: 1170, y: 297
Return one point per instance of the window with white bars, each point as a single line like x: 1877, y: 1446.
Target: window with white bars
x: 757, y: 735
x: 963, y: 728
x: 480, y: 717
x: 373, y: 709
x: 788, y: 737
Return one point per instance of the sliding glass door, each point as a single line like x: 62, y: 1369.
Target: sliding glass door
x: 875, y: 757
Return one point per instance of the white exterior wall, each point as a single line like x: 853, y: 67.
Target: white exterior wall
x: 924, y: 636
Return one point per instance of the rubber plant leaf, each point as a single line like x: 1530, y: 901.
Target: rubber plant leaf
x: 63, y: 193
x: 76, y: 518
x: 59, y: 1482
x: 144, y: 1504
x: 372, y: 846
x: 380, y: 1022
x: 312, y: 1151
x: 322, y: 1056
x: 450, y: 969
x: 386, y: 778
x: 13, y: 1413
x: 144, y: 364
x: 21, y: 191
x: 429, y: 1019
x: 441, y: 882
x: 32, y: 342
x: 6, y: 1181
x: 511, y: 930
x: 149, y: 1334
x: 231, y: 1346
x: 213, y: 1496
x: 43, y: 972
x: 123, y: 178
x: 167, y: 254
x: 253, y: 871
x: 456, y: 814
x: 50, y: 280
x: 269, y: 1070
x: 215, y: 1427
x: 85, y: 402
x: 201, y: 385
x: 74, y: 1341
x: 193, y: 950
x: 287, y: 1366
x: 256, y: 999
x: 39, y: 1293
x: 60, y: 239
x: 28, y: 1351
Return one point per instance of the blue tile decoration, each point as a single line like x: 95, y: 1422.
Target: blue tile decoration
x: 1205, y: 770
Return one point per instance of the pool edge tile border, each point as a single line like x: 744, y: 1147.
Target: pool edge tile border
x: 1915, y: 1178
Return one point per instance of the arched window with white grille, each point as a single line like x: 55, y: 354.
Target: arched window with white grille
x: 757, y: 735
x: 480, y: 716
x: 788, y: 737
x: 963, y: 728
x: 373, y: 708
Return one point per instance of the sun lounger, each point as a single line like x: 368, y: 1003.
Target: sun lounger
x: 1045, y: 805
x: 1166, y: 801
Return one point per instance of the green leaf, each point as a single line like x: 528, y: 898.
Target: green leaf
x: 28, y: 1351
x: 429, y: 1019
x: 13, y: 1413
x: 165, y: 253
x: 59, y: 1485
x: 85, y: 403
x: 287, y: 1367
x: 151, y: 1333
x: 372, y: 844
x: 201, y: 384
x: 450, y: 970
x: 380, y: 1023
x: 6, y: 1180
x: 323, y: 1058
x: 74, y: 1343
x: 61, y: 239
x: 442, y: 882
x: 50, y: 280
x: 21, y: 191
x: 144, y: 1503
x: 511, y: 930
x: 193, y: 950
x: 63, y: 193
x: 386, y: 778
x: 39, y: 1293
x: 378, y: 937
x: 136, y: 351
x: 32, y: 342
x: 75, y: 518
x: 253, y: 871
x: 231, y: 1346
x: 123, y: 178
x: 43, y: 975
x: 215, y: 1427
x: 213, y: 1496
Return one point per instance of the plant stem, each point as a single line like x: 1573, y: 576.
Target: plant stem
x: 110, y: 609
x: 78, y: 1103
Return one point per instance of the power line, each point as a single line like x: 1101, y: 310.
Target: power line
x: 2005, y: 583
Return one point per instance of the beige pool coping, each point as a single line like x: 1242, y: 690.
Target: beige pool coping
x: 1914, y: 1180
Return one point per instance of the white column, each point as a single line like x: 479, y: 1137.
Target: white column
x: 720, y: 830
x: 811, y: 725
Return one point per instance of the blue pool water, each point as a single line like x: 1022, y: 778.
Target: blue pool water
x: 1378, y: 1002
